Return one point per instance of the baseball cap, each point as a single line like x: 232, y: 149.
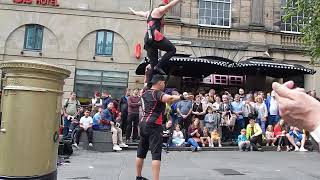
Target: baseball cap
x: 156, y: 78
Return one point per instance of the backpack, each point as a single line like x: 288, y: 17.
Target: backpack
x: 67, y: 103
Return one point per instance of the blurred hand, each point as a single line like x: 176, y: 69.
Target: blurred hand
x: 112, y: 123
x: 296, y: 107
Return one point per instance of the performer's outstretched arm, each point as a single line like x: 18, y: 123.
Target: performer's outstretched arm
x: 166, y: 8
x: 140, y: 13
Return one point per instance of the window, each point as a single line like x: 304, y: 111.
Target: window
x: 220, y: 79
x: 104, y: 43
x: 215, y: 13
x: 89, y: 81
x: 33, y: 37
x: 292, y: 25
x: 236, y: 80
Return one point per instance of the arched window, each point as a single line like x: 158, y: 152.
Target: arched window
x: 33, y: 37
x: 104, y: 43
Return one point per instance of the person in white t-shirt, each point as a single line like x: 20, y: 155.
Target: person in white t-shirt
x: 86, y: 123
x: 273, y: 109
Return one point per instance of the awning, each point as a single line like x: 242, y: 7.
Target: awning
x: 190, y: 66
x: 268, y: 67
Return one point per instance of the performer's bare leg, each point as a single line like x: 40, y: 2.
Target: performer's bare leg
x: 139, y: 165
x: 156, y: 169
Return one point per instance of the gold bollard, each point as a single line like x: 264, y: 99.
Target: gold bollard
x: 31, y: 107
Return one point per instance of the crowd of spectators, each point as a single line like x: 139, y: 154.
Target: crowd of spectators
x: 249, y: 120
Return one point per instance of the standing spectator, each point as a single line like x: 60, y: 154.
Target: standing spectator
x: 243, y: 142
x: 195, y: 133
x: 134, y: 102
x: 106, y: 99
x: 123, y: 108
x: 271, y: 139
x: 70, y: 108
x: 184, y: 110
x: 242, y: 95
x: 262, y: 112
x: 108, y: 116
x: 177, y: 137
x: 212, y: 95
x: 215, y: 138
x: 298, y: 137
x: 205, y: 138
x: 216, y: 105
x: 273, y: 109
x: 167, y: 134
x: 225, y: 110
x: 96, y: 102
x: 174, y: 115
x: 211, y: 120
x: 197, y: 110
x: 237, y: 109
x: 205, y: 102
x: 254, y: 133
x: 86, y: 123
x: 248, y: 108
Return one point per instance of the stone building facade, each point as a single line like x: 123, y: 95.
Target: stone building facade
x: 70, y: 36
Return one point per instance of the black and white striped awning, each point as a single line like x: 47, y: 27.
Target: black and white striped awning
x: 190, y: 66
x: 183, y: 65
x: 269, y: 67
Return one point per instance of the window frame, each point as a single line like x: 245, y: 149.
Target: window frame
x: 283, y: 22
x: 37, y: 27
x: 104, y: 43
x: 216, y: 1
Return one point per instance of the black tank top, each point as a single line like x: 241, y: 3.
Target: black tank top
x: 155, y: 23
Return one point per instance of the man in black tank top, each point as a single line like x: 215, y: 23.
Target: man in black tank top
x: 154, y: 40
x: 153, y: 105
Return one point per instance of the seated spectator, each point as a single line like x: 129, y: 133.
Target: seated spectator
x: 177, y: 137
x: 86, y: 123
x: 109, y: 118
x: 98, y: 124
x: 194, y: 133
x: 96, y: 102
x: 167, y: 134
x: 211, y: 119
x: 280, y: 132
x: 298, y: 137
x: 227, y: 119
x: 243, y: 142
x: 205, y: 138
x: 270, y: 136
x: 215, y: 138
x: 254, y: 133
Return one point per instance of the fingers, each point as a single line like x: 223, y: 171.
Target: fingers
x: 283, y: 90
x: 289, y: 84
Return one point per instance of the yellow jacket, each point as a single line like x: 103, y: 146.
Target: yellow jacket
x: 256, y: 128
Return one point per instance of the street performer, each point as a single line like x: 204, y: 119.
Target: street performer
x: 154, y: 39
x: 153, y: 105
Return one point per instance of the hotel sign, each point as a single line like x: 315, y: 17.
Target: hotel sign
x: 38, y: 2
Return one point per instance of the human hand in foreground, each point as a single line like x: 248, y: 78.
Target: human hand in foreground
x: 296, y: 107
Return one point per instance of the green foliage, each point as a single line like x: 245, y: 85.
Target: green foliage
x: 311, y: 21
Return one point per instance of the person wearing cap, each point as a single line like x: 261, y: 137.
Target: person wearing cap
x: 153, y: 105
x: 154, y: 40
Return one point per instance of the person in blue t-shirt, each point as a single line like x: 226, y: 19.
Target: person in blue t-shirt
x: 97, y: 119
x: 243, y: 142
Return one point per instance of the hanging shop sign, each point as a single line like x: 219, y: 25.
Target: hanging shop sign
x: 38, y: 2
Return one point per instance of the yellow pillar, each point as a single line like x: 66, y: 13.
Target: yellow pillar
x: 31, y: 104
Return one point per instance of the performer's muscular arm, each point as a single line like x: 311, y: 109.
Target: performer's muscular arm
x: 172, y: 98
x: 140, y: 13
x: 164, y: 9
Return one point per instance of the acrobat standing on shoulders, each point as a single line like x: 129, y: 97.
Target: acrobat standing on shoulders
x: 154, y: 40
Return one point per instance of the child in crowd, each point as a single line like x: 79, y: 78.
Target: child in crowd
x: 215, y: 138
x: 211, y: 120
x: 177, y: 137
x: 270, y: 136
x: 205, y: 139
x: 243, y: 142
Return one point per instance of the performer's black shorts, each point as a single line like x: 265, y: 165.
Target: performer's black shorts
x: 150, y: 137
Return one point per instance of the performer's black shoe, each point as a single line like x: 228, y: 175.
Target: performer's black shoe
x: 159, y: 70
x: 141, y: 178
